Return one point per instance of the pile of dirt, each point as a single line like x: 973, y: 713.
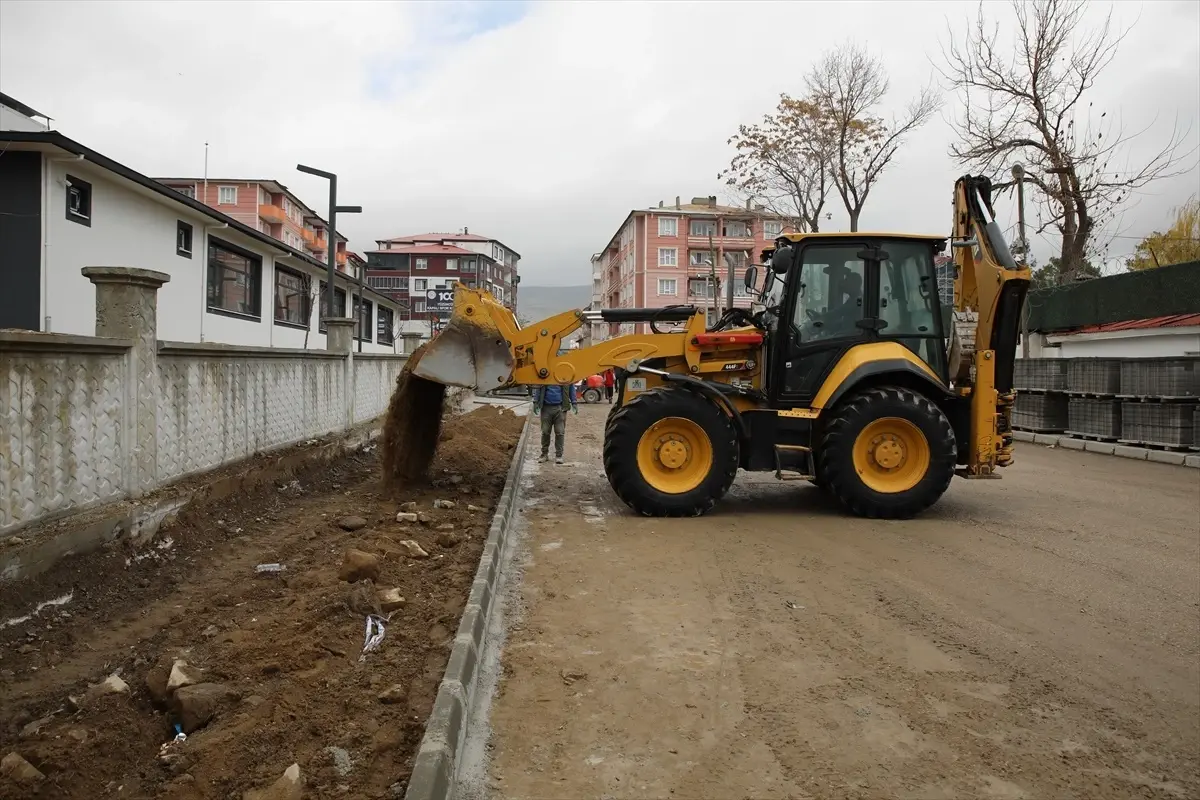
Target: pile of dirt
x: 282, y: 649
x: 410, y: 432
x: 478, y: 446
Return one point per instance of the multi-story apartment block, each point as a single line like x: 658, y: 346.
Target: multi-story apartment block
x: 669, y: 255
x: 269, y: 207
x: 408, y: 268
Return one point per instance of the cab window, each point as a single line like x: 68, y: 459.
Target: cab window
x: 908, y: 299
x: 829, y: 300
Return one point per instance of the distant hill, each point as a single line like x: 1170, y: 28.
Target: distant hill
x: 538, y: 302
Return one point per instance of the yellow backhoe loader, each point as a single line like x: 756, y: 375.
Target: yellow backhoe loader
x: 847, y: 372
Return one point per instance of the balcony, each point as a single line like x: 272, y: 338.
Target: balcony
x: 318, y: 244
x: 309, y: 236
x: 340, y: 258
x: 272, y: 213
x: 724, y: 242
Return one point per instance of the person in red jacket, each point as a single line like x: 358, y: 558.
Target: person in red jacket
x: 610, y: 382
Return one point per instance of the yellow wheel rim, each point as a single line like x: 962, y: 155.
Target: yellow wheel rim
x: 674, y: 455
x: 891, y: 455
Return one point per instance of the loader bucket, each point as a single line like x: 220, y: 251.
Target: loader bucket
x: 472, y: 350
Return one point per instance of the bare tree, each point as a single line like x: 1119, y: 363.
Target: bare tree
x: 848, y: 85
x: 1027, y: 105
x: 308, y: 295
x: 785, y: 162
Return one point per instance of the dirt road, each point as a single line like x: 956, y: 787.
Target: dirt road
x: 1032, y: 637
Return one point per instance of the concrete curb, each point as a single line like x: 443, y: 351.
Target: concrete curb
x: 434, y: 774
x: 1174, y: 457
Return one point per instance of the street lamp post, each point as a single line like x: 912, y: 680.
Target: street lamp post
x: 1018, y: 173
x: 331, y: 234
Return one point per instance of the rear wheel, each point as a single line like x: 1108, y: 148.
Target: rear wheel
x: 670, y: 453
x: 887, y: 453
x: 591, y: 395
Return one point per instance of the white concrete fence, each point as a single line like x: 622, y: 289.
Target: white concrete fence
x: 90, y: 420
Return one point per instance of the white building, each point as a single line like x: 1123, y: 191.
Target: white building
x: 64, y: 207
x: 1161, y: 337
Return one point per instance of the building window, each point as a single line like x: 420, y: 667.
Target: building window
x: 772, y: 229
x: 419, y: 305
x: 79, y: 201
x: 292, y: 297
x: 227, y: 195
x: 234, y: 279
x: 700, y: 288
x: 339, y: 304
x: 736, y: 259
x: 667, y: 286
x: 419, y: 284
x: 385, y: 332
x: 668, y: 226
x: 365, y: 310
x: 469, y: 265
x: 452, y: 265
x: 702, y: 227
x: 739, y: 230
x: 699, y: 258
x: 187, y: 191
x: 668, y: 257
x: 422, y: 263
x: 183, y: 239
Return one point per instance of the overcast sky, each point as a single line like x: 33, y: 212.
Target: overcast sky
x: 539, y: 124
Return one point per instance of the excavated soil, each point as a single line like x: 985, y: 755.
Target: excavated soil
x: 410, y: 431
x: 285, y: 647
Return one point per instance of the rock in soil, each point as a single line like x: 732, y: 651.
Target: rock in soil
x: 352, y: 523
x: 183, y: 674
x: 357, y: 566
x: 413, y: 549
x: 18, y: 770
x: 424, y: 518
x: 390, y: 600
x: 445, y: 526
x: 110, y: 685
x: 570, y: 676
x: 409, y: 506
x: 447, y: 539
x: 288, y: 786
x: 392, y: 695
x: 32, y: 729
x: 444, y: 504
x: 473, y: 509
x: 406, y: 516
x: 196, y: 705
x: 361, y: 599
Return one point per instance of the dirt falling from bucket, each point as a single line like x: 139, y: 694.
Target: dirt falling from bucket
x: 414, y: 420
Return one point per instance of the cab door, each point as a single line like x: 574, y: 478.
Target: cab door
x: 829, y: 308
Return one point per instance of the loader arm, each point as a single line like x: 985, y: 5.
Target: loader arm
x: 484, y: 347
x: 991, y: 283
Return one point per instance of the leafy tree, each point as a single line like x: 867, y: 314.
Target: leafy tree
x: 847, y: 85
x: 1180, y: 243
x: 1053, y: 274
x: 785, y: 162
x: 1028, y: 104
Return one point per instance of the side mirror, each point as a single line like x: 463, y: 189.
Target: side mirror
x: 751, y: 279
x: 781, y: 260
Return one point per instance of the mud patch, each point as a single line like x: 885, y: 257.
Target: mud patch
x: 284, y: 644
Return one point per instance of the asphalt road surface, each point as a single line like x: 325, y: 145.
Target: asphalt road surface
x: 1037, y: 636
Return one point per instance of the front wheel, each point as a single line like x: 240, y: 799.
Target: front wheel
x: 591, y: 395
x: 670, y: 453
x: 887, y: 453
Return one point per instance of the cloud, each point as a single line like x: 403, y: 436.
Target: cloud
x: 539, y: 123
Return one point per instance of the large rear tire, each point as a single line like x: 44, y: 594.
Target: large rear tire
x: 670, y: 453
x: 887, y: 453
x: 591, y: 395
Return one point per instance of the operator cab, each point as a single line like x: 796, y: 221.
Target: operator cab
x: 826, y: 293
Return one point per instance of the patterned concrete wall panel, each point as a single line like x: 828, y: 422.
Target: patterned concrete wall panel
x: 217, y: 409
x: 61, y: 442
x: 374, y: 382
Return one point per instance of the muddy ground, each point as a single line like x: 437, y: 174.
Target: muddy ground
x: 284, y: 649
x: 1032, y: 637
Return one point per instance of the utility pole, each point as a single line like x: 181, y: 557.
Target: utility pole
x: 1018, y: 173
x: 331, y: 234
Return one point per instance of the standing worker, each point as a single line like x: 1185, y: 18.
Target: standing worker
x: 555, y: 401
x: 610, y: 382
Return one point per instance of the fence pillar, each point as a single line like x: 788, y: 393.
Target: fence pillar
x: 411, y: 342
x: 127, y: 308
x: 339, y: 338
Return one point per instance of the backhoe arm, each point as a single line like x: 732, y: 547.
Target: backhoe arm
x: 484, y: 347
x: 991, y: 283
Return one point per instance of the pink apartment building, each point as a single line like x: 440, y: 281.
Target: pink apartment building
x: 660, y: 257
x: 268, y: 206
